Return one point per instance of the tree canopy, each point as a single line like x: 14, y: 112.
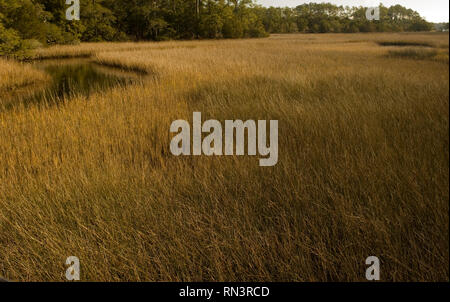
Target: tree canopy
x: 119, y: 20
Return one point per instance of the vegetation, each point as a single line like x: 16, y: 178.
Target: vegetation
x: 363, y: 166
x: 326, y: 17
x: 138, y: 20
x: 413, y: 53
x: 404, y: 43
x: 14, y: 75
x: 442, y: 27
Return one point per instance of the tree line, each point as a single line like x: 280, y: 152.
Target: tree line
x: 326, y: 18
x: 27, y: 24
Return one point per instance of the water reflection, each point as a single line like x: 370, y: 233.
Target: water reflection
x: 70, y: 78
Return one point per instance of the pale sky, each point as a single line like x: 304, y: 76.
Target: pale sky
x: 431, y: 10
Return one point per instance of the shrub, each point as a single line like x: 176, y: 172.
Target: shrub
x: 10, y: 41
x: 55, y: 35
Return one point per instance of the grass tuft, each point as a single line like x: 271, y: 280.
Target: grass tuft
x: 413, y: 53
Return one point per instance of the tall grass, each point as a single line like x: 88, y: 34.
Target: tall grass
x: 363, y: 168
x: 15, y: 75
x: 404, y: 43
x: 412, y: 53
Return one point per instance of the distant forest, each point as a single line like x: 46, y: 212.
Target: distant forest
x: 27, y: 24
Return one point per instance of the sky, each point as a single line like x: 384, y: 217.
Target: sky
x: 431, y: 10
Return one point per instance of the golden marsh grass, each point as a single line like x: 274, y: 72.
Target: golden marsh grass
x: 363, y: 166
x: 15, y: 75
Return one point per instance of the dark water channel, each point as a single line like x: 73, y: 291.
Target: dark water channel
x: 73, y: 77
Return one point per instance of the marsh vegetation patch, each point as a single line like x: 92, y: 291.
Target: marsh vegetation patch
x: 404, y: 43
x: 413, y: 53
x: 71, y: 78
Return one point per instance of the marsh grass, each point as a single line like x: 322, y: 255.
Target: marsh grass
x: 414, y: 53
x: 14, y: 76
x: 404, y: 43
x: 363, y: 167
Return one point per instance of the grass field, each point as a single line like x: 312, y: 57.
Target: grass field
x: 363, y: 168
